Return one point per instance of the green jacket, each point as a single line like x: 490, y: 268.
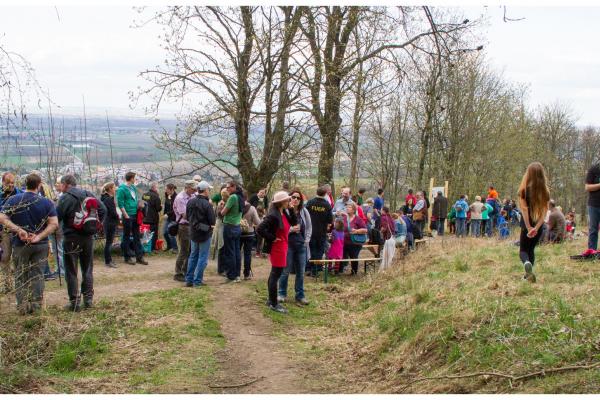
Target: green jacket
x: 485, y: 211
x: 452, y: 215
x: 127, y: 198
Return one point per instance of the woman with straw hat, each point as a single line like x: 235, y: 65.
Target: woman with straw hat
x: 275, y: 228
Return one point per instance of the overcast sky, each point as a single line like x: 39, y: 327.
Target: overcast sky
x: 92, y: 51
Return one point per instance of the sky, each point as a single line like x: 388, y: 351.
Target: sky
x: 93, y: 52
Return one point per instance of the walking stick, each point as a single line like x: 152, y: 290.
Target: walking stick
x: 57, y: 260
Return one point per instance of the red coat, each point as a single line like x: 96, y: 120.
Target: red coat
x: 279, y: 249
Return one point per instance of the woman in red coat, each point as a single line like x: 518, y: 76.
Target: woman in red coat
x: 275, y: 228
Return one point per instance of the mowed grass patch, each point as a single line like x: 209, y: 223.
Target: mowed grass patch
x: 461, y: 307
x: 153, y: 342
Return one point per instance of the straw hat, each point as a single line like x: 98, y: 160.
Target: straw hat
x: 280, y: 196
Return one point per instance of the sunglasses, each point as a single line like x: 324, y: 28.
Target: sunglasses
x: 296, y: 197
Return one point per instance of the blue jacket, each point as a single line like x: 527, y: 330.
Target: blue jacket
x: 461, y: 208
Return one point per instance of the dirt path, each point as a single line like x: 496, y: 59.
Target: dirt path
x: 252, y: 351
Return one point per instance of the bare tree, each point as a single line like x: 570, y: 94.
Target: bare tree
x: 239, y: 58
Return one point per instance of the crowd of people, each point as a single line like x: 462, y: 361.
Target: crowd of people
x: 290, y: 229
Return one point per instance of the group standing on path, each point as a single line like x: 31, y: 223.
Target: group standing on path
x: 290, y: 228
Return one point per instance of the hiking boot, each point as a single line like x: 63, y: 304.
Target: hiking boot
x: 178, y: 278
x: 142, y: 261
x: 129, y: 261
x: 227, y: 280
x: 278, y: 308
x: 110, y: 265
x: 531, y: 278
x: 88, y: 303
x: 302, y: 302
x: 189, y: 284
x: 281, y: 299
x: 237, y: 279
x: 72, y: 306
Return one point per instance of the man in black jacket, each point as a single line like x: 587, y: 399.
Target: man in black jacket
x: 440, y: 211
x: 77, y: 245
x: 321, y: 217
x: 201, y: 218
x: 153, y: 210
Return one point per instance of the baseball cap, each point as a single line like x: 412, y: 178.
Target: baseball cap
x: 203, y: 185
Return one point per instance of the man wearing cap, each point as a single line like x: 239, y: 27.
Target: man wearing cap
x: 201, y: 217
x: 183, y: 233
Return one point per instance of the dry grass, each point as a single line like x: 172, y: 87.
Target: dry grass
x: 158, y: 342
x: 459, y: 307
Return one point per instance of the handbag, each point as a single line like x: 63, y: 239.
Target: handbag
x: 418, y: 215
x: 357, y: 238
x: 173, y: 227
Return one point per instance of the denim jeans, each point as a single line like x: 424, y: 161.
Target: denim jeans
x: 476, y: 227
x: 57, y: 248
x: 296, y: 261
x: 594, y: 220
x: 197, y: 262
x: 246, y: 243
x: 317, y: 249
x: 461, y: 226
x: 171, y: 241
x: 440, y: 226
x: 232, y: 257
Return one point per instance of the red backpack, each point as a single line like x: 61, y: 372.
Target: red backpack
x: 86, y: 220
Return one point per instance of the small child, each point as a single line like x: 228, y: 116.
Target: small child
x: 503, y: 230
x: 336, y: 250
x: 570, y: 225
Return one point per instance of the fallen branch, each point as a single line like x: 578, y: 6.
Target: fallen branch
x: 235, y: 386
x: 511, y: 378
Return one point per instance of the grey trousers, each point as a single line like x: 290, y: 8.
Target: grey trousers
x: 29, y: 262
x: 183, y: 243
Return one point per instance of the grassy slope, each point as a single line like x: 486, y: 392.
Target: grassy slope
x: 456, y: 309
x: 162, y: 341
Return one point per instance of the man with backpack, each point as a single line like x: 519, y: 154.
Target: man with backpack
x: 461, y: 208
x: 127, y: 201
x: 154, y: 207
x: 80, y: 214
x: 31, y: 219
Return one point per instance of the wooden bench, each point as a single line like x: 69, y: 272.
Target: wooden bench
x: 326, y: 262
x: 419, y: 242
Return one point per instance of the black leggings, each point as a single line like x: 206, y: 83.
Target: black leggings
x: 527, y: 245
x: 273, y: 279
